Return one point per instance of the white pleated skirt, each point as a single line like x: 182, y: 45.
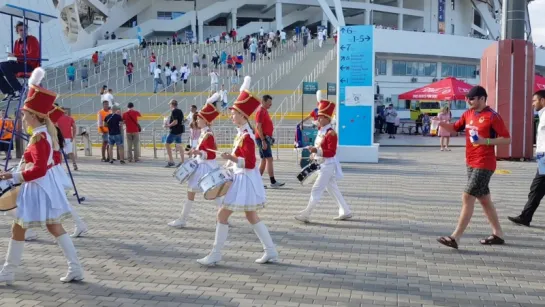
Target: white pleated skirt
x: 37, y: 208
x: 246, y: 193
x: 193, y: 180
x: 63, y: 177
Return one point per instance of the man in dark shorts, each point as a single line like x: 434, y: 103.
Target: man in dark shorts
x: 115, y: 123
x: 176, y: 127
x: 490, y: 131
x: 264, y: 140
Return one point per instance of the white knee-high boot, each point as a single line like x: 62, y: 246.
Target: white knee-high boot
x: 270, y: 255
x: 182, y: 221
x: 13, y: 260
x: 222, y: 230
x: 81, y: 227
x: 75, y: 272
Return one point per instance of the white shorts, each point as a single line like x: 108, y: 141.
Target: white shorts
x: 68, y: 147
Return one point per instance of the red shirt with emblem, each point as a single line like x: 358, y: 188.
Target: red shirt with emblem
x: 246, y: 150
x: 208, y: 143
x: 262, y: 117
x: 488, y: 124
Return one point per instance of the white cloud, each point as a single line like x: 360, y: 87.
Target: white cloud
x: 537, y: 11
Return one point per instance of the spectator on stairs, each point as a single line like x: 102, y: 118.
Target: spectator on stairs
x: 175, y: 74
x: 152, y: 63
x: 84, y: 73
x: 196, y: 63
x: 168, y: 74
x: 129, y: 70
x: 157, y: 79
x: 94, y: 59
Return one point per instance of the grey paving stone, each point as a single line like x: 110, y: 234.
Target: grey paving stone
x: 385, y: 256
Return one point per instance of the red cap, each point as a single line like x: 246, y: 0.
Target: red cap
x: 208, y: 113
x: 246, y: 103
x: 326, y: 108
x: 39, y: 100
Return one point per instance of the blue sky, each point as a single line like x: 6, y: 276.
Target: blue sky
x: 537, y: 18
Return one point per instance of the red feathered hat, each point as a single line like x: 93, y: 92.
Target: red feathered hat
x: 209, y: 112
x: 39, y: 100
x: 325, y: 107
x: 55, y: 114
x: 246, y: 103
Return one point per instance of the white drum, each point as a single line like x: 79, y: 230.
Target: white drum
x: 216, y: 183
x: 185, y: 170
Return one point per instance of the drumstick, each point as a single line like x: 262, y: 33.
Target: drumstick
x: 216, y: 151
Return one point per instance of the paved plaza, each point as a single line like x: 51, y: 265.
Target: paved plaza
x: 386, y: 256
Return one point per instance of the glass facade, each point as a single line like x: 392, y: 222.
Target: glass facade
x: 458, y: 70
x: 409, y: 68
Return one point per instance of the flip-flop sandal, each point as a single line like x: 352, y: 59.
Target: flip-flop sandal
x: 493, y: 240
x: 448, y: 241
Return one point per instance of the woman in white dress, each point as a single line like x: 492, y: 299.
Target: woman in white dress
x: 246, y: 193
x: 205, y: 155
x: 41, y: 200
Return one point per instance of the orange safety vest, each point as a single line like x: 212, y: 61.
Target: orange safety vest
x: 102, y: 125
x: 8, y: 128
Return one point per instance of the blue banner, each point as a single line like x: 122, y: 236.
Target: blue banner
x: 441, y: 11
x: 356, y: 91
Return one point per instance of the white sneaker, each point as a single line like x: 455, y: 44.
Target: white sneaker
x: 79, y: 230
x: 211, y: 260
x: 343, y: 217
x: 302, y: 218
x: 179, y: 223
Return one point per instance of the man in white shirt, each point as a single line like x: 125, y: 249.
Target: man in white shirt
x: 214, y: 80
x: 185, y: 71
x: 320, y: 38
x: 261, y: 32
x: 157, y: 78
x: 537, y: 189
x: 283, y: 37
x: 125, y: 55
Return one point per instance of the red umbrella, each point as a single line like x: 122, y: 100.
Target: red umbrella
x: 539, y: 83
x: 446, y: 89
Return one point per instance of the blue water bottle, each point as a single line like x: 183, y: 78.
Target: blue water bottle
x: 473, y: 137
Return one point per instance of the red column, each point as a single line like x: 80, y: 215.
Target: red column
x: 507, y: 73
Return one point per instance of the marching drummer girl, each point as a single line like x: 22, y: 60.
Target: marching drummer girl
x: 246, y: 193
x: 41, y: 200
x: 54, y: 115
x: 325, y: 153
x: 205, y: 155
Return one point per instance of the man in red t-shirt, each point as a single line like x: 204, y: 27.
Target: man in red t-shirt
x: 130, y: 118
x: 67, y: 126
x: 264, y: 139
x: 9, y: 85
x: 484, y: 129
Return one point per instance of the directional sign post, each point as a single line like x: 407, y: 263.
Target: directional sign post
x: 355, y: 95
x: 309, y: 88
x: 331, y: 89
